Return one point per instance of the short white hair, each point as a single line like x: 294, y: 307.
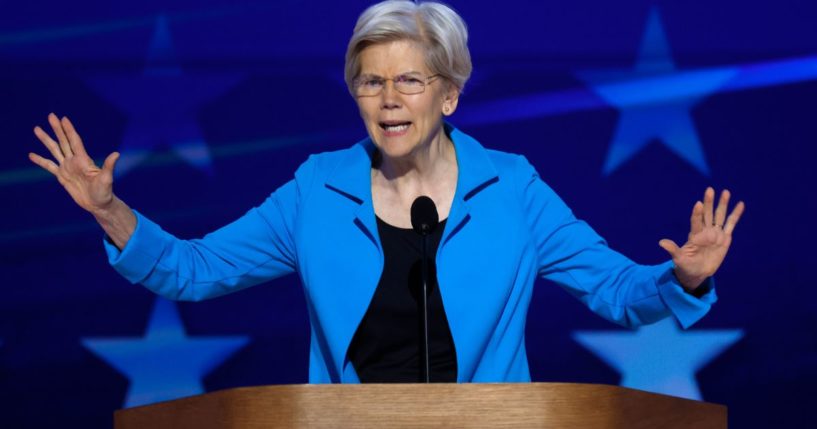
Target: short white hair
x: 435, y: 26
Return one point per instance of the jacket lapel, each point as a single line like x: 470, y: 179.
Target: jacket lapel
x: 352, y: 179
x: 476, y: 172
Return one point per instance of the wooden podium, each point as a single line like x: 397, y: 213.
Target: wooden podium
x: 516, y: 405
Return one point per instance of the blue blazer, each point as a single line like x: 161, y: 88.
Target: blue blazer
x: 506, y: 227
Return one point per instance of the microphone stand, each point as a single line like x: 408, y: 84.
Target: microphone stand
x: 424, y: 270
x: 424, y: 219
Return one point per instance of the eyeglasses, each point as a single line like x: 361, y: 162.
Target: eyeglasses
x: 369, y: 86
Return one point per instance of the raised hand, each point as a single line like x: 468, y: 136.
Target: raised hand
x: 709, y: 238
x: 90, y: 186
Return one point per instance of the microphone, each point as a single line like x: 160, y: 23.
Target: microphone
x: 424, y: 220
x: 424, y: 217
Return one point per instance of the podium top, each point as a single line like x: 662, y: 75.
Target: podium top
x: 501, y: 405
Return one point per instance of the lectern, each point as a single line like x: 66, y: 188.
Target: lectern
x: 502, y: 405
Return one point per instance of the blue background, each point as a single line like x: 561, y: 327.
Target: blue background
x: 214, y: 104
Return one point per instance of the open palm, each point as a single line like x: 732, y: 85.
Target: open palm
x: 91, y: 187
x: 708, y: 242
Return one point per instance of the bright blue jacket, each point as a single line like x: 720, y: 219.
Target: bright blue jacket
x: 506, y: 228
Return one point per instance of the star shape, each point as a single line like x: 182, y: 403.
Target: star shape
x: 166, y: 363
x: 659, y: 358
x: 161, y: 104
x: 654, y: 100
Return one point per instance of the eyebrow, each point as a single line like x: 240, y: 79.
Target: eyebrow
x: 372, y: 75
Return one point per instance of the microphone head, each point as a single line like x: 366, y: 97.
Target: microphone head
x: 424, y: 217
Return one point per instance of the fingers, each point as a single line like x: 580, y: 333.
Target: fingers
x: 696, y: 221
x: 733, y: 218
x: 69, y: 141
x: 73, y: 137
x: 669, y: 246
x: 709, y: 203
x: 50, y: 144
x: 46, y: 164
x: 719, y: 219
x: 56, y: 125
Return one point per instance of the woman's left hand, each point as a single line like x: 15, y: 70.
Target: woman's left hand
x: 709, y: 238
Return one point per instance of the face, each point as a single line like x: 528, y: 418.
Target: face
x: 401, y: 124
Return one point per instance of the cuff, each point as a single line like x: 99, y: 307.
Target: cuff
x: 141, y: 252
x: 686, y: 307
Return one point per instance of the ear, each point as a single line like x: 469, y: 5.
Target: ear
x: 450, y: 99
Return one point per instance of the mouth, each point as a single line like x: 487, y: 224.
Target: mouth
x: 394, y: 127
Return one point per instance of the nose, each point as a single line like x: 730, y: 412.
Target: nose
x: 390, y: 97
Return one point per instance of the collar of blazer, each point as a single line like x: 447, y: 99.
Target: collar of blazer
x: 476, y: 171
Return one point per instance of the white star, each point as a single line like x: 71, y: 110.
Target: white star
x: 164, y: 364
x: 655, y: 101
x: 162, y: 104
x: 660, y: 357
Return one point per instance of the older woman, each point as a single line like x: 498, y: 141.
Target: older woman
x: 343, y: 223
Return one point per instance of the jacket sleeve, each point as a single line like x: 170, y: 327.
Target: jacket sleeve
x: 573, y: 255
x: 253, y: 249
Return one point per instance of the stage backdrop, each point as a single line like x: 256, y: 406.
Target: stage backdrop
x: 627, y: 109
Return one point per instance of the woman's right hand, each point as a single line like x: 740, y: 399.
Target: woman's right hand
x: 91, y: 187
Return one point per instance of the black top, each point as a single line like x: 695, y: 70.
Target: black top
x: 387, y: 346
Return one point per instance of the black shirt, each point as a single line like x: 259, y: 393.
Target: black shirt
x: 387, y: 346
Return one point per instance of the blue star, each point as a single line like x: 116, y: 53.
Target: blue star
x: 164, y: 364
x: 655, y: 101
x: 162, y: 104
x: 659, y: 358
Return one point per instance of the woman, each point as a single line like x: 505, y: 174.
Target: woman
x: 342, y: 225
